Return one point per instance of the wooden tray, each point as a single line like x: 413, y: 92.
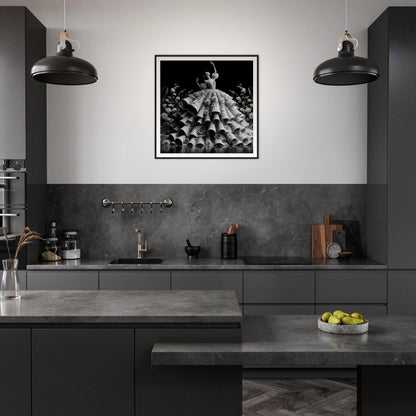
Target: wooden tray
x: 343, y: 329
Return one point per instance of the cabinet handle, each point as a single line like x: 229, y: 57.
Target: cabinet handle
x: 8, y: 178
x: 9, y: 215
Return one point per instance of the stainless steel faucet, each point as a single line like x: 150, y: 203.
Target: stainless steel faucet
x: 140, y: 250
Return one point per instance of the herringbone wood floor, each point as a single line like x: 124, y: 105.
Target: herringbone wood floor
x: 293, y: 397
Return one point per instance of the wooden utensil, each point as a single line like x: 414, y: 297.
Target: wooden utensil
x: 232, y: 229
x: 322, y: 236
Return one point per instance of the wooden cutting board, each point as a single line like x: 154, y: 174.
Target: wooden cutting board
x: 322, y: 236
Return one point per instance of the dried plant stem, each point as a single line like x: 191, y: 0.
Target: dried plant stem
x: 7, y: 244
x: 26, y: 237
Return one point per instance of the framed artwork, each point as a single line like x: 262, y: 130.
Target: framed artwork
x: 206, y: 107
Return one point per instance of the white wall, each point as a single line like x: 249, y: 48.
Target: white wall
x: 104, y: 133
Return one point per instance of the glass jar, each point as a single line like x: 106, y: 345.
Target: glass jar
x: 70, y: 249
x: 50, y: 250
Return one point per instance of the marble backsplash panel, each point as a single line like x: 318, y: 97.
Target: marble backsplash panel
x: 274, y: 219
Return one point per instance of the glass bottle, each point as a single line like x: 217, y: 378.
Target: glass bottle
x: 10, y: 287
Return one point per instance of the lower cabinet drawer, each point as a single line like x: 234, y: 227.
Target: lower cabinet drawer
x: 209, y: 280
x: 21, y: 274
x: 135, y: 280
x: 62, y: 280
x: 279, y: 309
x: 364, y: 286
x: 365, y: 309
x: 402, y: 292
x: 279, y: 287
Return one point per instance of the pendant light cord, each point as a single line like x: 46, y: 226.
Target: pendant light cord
x: 346, y: 15
x: 64, y: 15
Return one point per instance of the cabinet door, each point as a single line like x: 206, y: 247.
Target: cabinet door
x: 15, y: 372
x: 402, y: 292
x: 135, y: 280
x: 364, y: 286
x: 12, y: 83
x: 279, y: 287
x: 83, y: 372
x: 364, y: 308
x: 62, y: 280
x: 279, y: 309
x: 22, y: 279
x: 208, y: 280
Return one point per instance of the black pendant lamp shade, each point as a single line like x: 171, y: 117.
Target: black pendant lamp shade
x: 346, y: 68
x: 64, y: 69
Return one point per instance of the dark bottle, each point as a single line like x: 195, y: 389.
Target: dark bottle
x: 228, y: 246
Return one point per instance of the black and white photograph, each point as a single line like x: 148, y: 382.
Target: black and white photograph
x: 206, y: 106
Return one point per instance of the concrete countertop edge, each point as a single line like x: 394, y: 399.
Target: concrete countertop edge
x: 205, y: 264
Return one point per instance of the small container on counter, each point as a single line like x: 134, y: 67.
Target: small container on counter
x: 228, y: 246
x: 70, y: 249
x: 50, y: 250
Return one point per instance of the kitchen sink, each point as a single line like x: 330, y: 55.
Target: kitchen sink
x: 136, y: 261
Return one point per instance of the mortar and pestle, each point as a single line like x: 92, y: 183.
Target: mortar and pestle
x: 192, y: 251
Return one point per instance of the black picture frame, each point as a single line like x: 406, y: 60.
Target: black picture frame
x: 188, y: 91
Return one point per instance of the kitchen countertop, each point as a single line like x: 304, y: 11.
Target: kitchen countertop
x: 295, y: 340
x: 211, y: 264
x: 121, y: 307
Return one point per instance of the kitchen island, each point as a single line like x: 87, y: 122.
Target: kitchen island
x: 89, y: 353
x: 385, y: 357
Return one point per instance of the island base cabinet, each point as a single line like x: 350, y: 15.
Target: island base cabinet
x: 82, y: 372
x: 15, y: 372
x: 386, y: 390
x: 186, y: 390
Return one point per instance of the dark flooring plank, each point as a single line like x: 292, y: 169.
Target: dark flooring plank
x: 291, y: 397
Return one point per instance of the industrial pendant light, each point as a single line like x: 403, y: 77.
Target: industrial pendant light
x: 64, y: 69
x: 346, y: 68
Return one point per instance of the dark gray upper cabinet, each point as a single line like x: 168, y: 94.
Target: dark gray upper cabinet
x: 23, y: 104
x: 391, y: 139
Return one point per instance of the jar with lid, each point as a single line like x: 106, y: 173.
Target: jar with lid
x: 50, y: 250
x: 70, y: 249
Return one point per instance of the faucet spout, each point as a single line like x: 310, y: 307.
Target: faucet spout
x: 140, y: 250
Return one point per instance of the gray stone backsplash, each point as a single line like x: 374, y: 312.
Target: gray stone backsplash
x: 274, y: 219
